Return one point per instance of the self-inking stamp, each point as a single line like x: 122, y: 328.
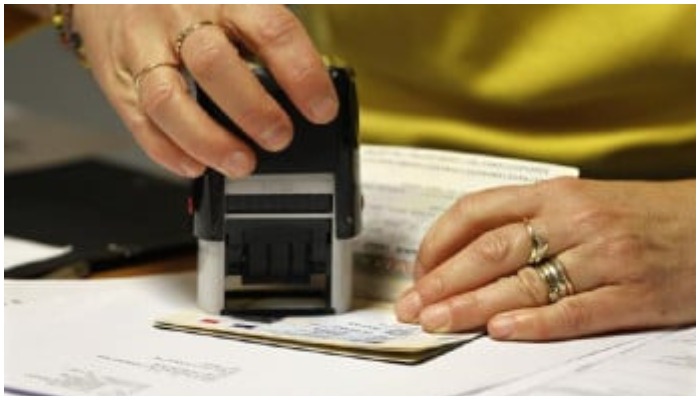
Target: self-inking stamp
x: 278, y: 242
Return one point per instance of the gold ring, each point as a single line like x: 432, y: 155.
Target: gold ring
x: 138, y: 77
x: 554, y: 276
x: 540, y: 246
x: 182, y: 36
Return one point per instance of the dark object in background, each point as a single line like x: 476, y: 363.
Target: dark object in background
x: 109, y: 214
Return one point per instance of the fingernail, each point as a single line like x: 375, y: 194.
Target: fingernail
x: 237, y: 165
x: 436, y: 318
x: 276, y: 138
x: 323, y: 109
x: 408, y: 307
x: 502, y: 327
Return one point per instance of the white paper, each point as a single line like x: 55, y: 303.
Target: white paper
x: 405, y: 190
x: 96, y: 337
x: 661, y: 366
x: 21, y: 251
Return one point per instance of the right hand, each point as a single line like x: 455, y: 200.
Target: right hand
x: 121, y: 40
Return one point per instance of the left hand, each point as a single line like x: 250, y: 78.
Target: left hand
x: 627, y: 248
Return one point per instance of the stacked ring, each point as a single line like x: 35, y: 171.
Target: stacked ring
x: 554, y: 275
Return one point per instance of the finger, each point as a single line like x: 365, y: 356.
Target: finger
x: 277, y: 36
x: 479, y: 212
x: 216, y: 66
x: 160, y: 148
x: 496, y: 253
x: 472, y: 309
x: 468, y: 218
x: 606, y: 309
x: 525, y: 289
x: 120, y: 91
x: 164, y: 98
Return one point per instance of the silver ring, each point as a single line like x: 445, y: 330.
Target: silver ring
x: 186, y: 32
x: 554, y: 276
x: 540, y: 246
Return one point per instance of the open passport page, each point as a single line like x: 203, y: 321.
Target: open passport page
x: 404, y: 191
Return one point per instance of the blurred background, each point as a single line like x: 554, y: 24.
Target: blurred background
x: 54, y: 110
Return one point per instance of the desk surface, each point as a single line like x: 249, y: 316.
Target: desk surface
x: 172, y: 264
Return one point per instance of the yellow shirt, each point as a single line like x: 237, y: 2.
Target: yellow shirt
x: 610, y: 88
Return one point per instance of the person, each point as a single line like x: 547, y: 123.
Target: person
x: 607, y: 88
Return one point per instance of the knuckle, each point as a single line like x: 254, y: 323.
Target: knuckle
x: 625, y: 252
x: 431, y: 288
x: 425, y: 256
x: 158, y: 94
x: 592, y: 218
x: 574, y: 316
x: 467, y: 208
x: 492, y: 248
x: 251, y: 118
x: 562, y: 184
x: 474, y: 304
x: 613, y: 239
x: 137, y: 124
x: 464, y: 206
x: 455, y: 311
x: 530, y: 285
x: 567, y: 188
x: 204, y: 56
x: 277, y: 29
x: 302, y: 71
x: 624, y: 246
